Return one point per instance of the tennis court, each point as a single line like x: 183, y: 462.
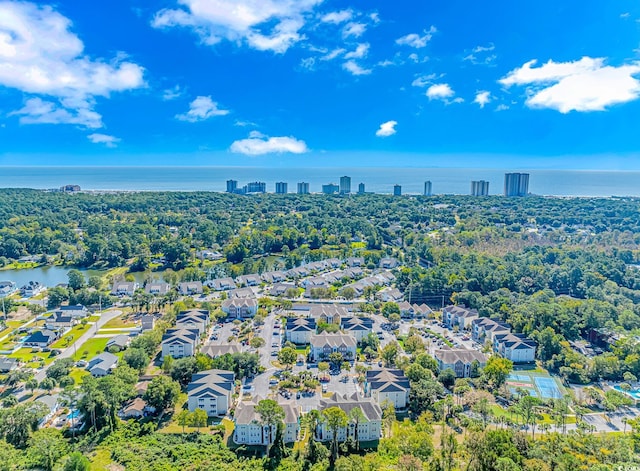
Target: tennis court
x: 519, y: 378
x: 548, y: 388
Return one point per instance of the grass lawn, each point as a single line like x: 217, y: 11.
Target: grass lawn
x: 78, y: 374
x: 93, y: 318
x: 26, y: 356
x: 100, y: 460
x: 92, y: 347
x: 74, y: 333
x: 119, y: 322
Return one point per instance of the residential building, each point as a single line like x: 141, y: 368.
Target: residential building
x: 40, y: 338
x: 222, y: 284
x: 124, y: 288
x: 299, y: 330
x: 211, y: 391
x: 157, y: 288
x: 232, y: 186
x: 77, y: 312
x: 52, y: 405
x: 240, y: 308
x: 59, y: 321
x: 397, y: 190
x: 179, y: 343
x: 328, y: 313
x: 330, y: 188
x: 411, y: 311
x: 189, y: 288
x: 248, y: 280
x: 303, y: 188
x: 368, y: 429
x: 193, y: 319
x: 459, y: 316
x: 345, y: 185
x: 7, y: 288
x: 459, y: 360
x: 217, y: 350
x: 388, y: 385
x: 209, y: 255
x: 389, y: 295
x: 516, y: 184
x: 147, y: 322
x: 389, y: 263
x: 256, y: 187
x: 515, y: 347
x: 102, y: 364
x: 242, y: 293
x: 134, y: 409
x: 118, y: 343
x: 479, y: 188
x: 8, y: 364
x: 324, y: 344
x: 273, y: 277
x: 484, y: 329
x: 355, y: 261
x: 361, y: 190
x: 427, y: 188
x: 281, y: 188
x: 359, y: 327
x: 33, y: 288
x: 280, y: 289
x: 249, y: 429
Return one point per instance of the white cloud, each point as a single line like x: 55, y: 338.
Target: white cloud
x: 266, y: 25
x: 488, y: 48
x: 423, y: 80
x: 360, y: 51
x: 387, y: 129
x: 308, y: 63
x: 415, y: 40
x: 259, y: 144
x: 441, y: 91
x: 172, y: 93
x: 482, y: 98
x: 625, y: 15
x: 354, y: 29
x: 584, y: 85
x: 242, y: 123
x: 355, y: 69
x: 502, y: 107
x: 109, y: 141
x: 203, y: 107
x: 333, y: 54
x: 39, y: 55
x: 337, y: 17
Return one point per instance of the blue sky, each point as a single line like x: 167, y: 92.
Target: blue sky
x: 541, y: 84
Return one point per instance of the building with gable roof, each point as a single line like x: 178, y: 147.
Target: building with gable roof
x: 211, y: 391
x: 368, y: 429
x: 388, y: 385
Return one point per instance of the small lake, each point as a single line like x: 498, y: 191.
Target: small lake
x: 51, y: 276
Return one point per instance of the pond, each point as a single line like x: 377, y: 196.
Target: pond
x: 52, y: 276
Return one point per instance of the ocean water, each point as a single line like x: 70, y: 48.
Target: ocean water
x: 377, y: 180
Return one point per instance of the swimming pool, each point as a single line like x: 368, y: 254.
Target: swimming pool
x: 634, y: 393
x: 74, y: 414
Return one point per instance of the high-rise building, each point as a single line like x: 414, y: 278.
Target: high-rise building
x: 330, y: 188
x: 345, y: 185
x: 427, y: 188
x: 479, y: 188
x: 281, y: 188
x: 361, y: 189
x: 256, y: 187
x: 232, y: 186
x: 303, y: 188
x: 516, y: 184
x: 397, y: 190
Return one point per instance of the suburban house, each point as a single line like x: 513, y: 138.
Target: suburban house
x: 147, y: 322
x: 389, y: 263
x: 273, y: 277
x: 7, y: 288
x: 222, y: 284
x: 242, y: 293
x: 217, y: 350
x: 388, y: 385
x: 389, y: 295
x: 299, y: 330
x: 249, y: 429
x: 33, y: 288
x: 60, y: 321
x: 328, y: 313
x: 359, y: 327
x: 368, y: 429
x: 189, y: 288
x: 52, y: 405
x: 40, y: 338
x: 211, y: 391
x: 118, y: 343
x: 193, y: 319
x: 459, y: 360
x: 459, y: 316
x: 248, y: 280
x: 410, y: 311
x: 484, y: 329
x: 101, y: 365
x: 179, y: 343
x: 334, y: 262
x: 77, y: 312
x: 8, y: 364
x: 352, y: 273
x: 515, y: 347
x: 157, y: 287
x: 124, y: 288
x: 355, y: 261
x: 280, y: 289
x: 298, y: 272
x: 324, y: 344
x: 209, y: 255
x: 134, y: 409
x: 240, y: 308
